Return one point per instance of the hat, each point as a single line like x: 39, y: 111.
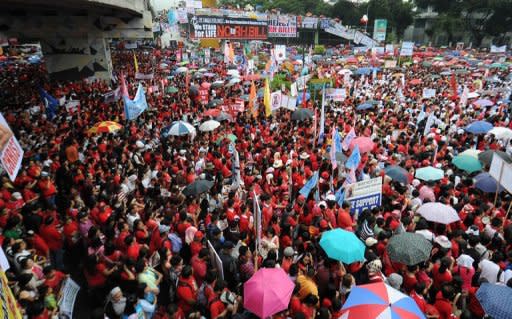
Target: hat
x: 370, y: 241
x: 374, y: 266
x: 202, y: 150
x: 443, y: 241
x: 199, y: 235
x: 30, y: 233
x: 183, y: 152
x: 17, y: 195
x: 416, y: 182
x: 228, y: 245
x: 304, y: 155
x: 465, y: 261
x: 395, y: 280
x: 139, y: 144
x: 289, y: 252
x: 278, y: 163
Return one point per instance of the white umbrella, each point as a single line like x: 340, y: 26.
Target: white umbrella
x: 209, y: 126
x: 438, y: 213
x: 179, y: 128
x: 233, y: 73
x: 472, y: 95
x: 181, y: 69
x: 501, y: 133
x: 345, y: 71
x: 471, y: 152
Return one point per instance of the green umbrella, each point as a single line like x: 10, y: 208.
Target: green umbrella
x: 467, y: 163
x: 409, y: 248
x: 426, y: 64
x: 438, y: 58
x: 230, y: 137
x: 172, y: 89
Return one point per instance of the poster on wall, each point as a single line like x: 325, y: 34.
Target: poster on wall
x: 282, y: 26
x: 211, y: 27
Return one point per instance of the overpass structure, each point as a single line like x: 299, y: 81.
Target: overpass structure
x: 75, y: 34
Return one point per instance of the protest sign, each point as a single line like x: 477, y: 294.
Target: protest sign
x: 215, y: 258
x: 429, y: 93
x: 203, y: 96
x: 390, y: 64
x: 275, y: 100
x: 142, y: 76
x: 288, y: 102
x: 282, y: 26
x: 72, y: 106
x: 502, y: 172
x: 497, y: 49
x: 336, y: 95
x: 11, y: 151
x: 69, y: 292
x: 407, y: 48
x: 364, y: 195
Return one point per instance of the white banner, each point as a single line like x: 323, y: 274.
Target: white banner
x: 378, y: 50
x: 497, y: 49
x: 336, y: 95
x: 361, y: 38
x: 130, y: 45
x: 502, y: 172
x: 365, y: 194
x: 282, y: 26
x: 11, y: 152
x: 214, y: 257
x: 309, y: 23
x: 429, y: 93
x: 341, y: 31
x: 181, y: 15
x: 390, y: 48
x: 288, y: 102
x: 69, y: 292
x: 142, y: 76
x: 280, y: 52
x: 302, y: 82
x: 407, y: 48
x: 275, y: 100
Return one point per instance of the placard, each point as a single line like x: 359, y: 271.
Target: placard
x: 11, y: 152
x: 340, y: 31
x: 361, y: 38
x: 206, y: 27
x: 497, y: 49
x: 69, y: 292
x: 336, y: 95
x: 288, y: 102
x: 364, y: 195
x: 280, y: 52
x: 309, y: 23
x: 429, y: 93
x: 282, y: 26
x: 214, y: 257
x: 390, y: 64
x: 275, y: 100
x: 407, y: 48
x: 501, y: 171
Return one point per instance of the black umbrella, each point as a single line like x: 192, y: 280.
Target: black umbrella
x: 486, y: 157
x: 409, y: 248
x: 302, y: 114
x: 197, y: 187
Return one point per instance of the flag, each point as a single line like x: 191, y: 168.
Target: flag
x: 322, y: 118
x: 464, y: 97
x: 134, y: 108
x: 235, y: 169
x: 453, y: 85
x: 257, y: 219
x: 348, y: 139
x: 304, y: 102
x: 333, y: 148
x: 51, y: 104
x: 124, y: 88
x: 135, y: 63
x: 337, y: 141
x: 354, y: 159
x: 310, y: 184
x: 252, y: 100
x: 266, y: 99
x: 340, y: 196
x: 351, y: 178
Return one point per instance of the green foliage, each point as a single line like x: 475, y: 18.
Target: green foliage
x: 279, y: 80
x: 319, y: 49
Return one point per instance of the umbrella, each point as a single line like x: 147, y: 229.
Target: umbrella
x: 363, y: 71
x: 350, y: 251
x: 302, y: 114
x: 445, y: 73
x: 381, y: 301
x: 181, y: 69
x: 217, y: 84
x: 230, y: 137
x: 471, y: 152
x: 365, y: 144
x: 501, y: 133
x: 398, y: 174
x: 429, y: 173
x: 264, y: 299
x: 209, y: 126
x: 467, y: 163
x: 172, y: 89
x: 479, y: 127
x: 365, y: 106
x: 178, y: 128
x: 483, y: 103
x: 472, y: 95
x: 486, y: 183
x: 495, y: 300
x: 486, y: 157
x: 409, y: 248
x: 438, y: 213
x: 415, y: 82
x: 197, y: 187
x: 212, y: 112
x: 224, y: 117
x: 105, y: 127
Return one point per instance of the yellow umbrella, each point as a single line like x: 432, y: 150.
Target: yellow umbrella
x: 105, y: 127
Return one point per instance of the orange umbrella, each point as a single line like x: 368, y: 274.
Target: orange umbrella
x: 105, y: 127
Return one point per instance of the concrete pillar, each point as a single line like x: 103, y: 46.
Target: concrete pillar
x: 77, y: 58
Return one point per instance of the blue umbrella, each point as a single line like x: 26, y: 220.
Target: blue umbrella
x: 342, y: 245
x: 486, y: 183
x: 495, y: 300
x: 398, y: 174
x: 363, y: 71
x: 429, y: 173
x: 479, y: 127
x: 365, y: 106
x: 178, y: 128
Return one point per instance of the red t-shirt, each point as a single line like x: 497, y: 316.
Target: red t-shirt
x: 216, y: 308
x: 440, y: 278
x: 185, y: 294
x: 133, y: 251
x: 56, y: 281
x: 444, y: 307
x: 97, y: 279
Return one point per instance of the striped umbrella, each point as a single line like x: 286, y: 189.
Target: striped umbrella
x: 105, y: 127
x: 178, y: 128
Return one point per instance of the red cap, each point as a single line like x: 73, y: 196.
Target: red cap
x: 325, y: 175
x: 324, y: 224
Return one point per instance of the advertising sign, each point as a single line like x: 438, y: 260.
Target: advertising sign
x: 206, y: 27
x: 379, y: 29
x: 365, y: 195
x: 11, y: 153
x: 281, y: 26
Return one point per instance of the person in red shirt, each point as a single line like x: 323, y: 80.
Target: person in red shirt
x: 196, y: 245
x: 441, y: 272
x: 37, y: 242
x: 53, y: 278
x: 133, y: 248
x: 219, y: 309
x: 96, y: 272
x: 186, y: 290
x: 199, y: 265
x: 53, y: 238
x: 446, y: 301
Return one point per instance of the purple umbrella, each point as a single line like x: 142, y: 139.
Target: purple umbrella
x: 483, y: 102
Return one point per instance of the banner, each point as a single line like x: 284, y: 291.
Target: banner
x: 390, y: 64
x: 429, y: 93
x: 336, y: 95
x: 134, y: 108
x: 238, y: 106
x: 11, y: 151
x: 72, y: 106
x: 361, y: 38
x: 227, y: 28
x: 9, y: 306
x: 379, y: 29
x: 142, y: 76
x: 364, y: 195
x: 181, y: 15
x: 130, y: 45
x: 280, y: 52
x: 501, y: 171
x: 282, y: 26
x: 497, y: 49
x: 112, y: 96
x: 407, y: 48
x: 302, y: 81
x: 378, y: 50
x: 203, y: 96
x: 193, y: 4
x: 288, y: 102
x: 69, y: 292
x: 390, y: 49
x: 275, y: 100
x: 308, y: 22
x: 340, y: 31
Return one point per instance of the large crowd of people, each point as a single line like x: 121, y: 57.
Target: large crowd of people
x: 107, y: 209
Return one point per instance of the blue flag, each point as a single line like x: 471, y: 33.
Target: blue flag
x: 134, y: 108
x: 340, y: 196
x: 310, y: 184
x: 354, y: 159
x: 337, y: 141
x: 348, y: 139
x: 51, y: 104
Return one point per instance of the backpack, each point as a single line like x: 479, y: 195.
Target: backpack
x: 176, y: 242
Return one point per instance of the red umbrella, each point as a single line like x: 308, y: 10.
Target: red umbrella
x: 415, y: 81
x: 365, y: 144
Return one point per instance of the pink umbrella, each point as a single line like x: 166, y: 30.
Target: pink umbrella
x: 365, y: 144
x: 205, y: 85
x: 268, y: 292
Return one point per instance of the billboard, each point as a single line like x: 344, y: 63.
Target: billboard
x: 379, y: 29
x: 281, y: 26
x: 212, y: 27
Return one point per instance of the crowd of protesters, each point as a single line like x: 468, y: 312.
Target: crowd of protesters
x: 108, y: 209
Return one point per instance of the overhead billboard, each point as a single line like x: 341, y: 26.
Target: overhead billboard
x: 379, y: 29
x: 282, y: 26
x: 212, y: 27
